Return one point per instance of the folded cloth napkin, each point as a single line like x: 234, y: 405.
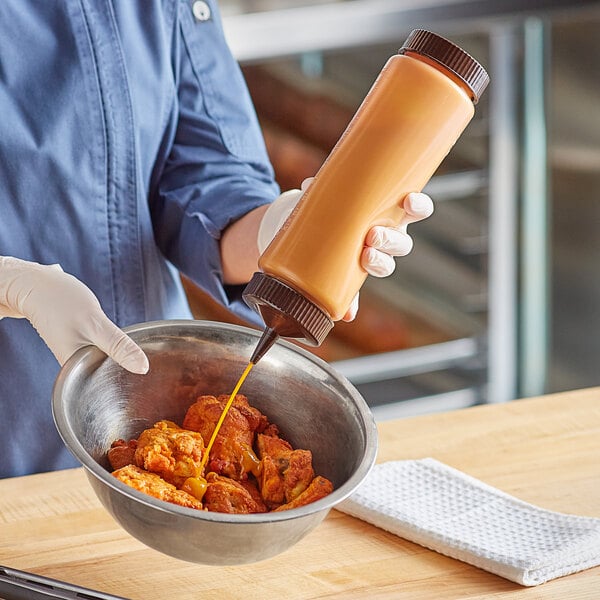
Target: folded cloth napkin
x: 436, y: 506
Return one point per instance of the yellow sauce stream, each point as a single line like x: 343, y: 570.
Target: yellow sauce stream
x: 224, y: 414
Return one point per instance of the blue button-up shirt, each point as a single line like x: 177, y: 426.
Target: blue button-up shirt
x: 128, y: 143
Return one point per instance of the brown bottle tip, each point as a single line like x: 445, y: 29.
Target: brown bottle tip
x: 285, y: 310
x: 268, y: 338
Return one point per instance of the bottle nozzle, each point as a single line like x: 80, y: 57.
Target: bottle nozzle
x: 285, y: 311
x: 269, y: 337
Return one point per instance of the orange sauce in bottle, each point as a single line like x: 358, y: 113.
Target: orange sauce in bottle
x: 410, y: 120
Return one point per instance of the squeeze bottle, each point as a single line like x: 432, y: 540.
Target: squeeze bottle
x: 413, y: 114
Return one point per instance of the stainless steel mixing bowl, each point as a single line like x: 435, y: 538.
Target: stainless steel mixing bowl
x: 95, y: 402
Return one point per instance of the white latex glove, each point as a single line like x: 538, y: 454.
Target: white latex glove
x: 64, y: 312
x: 279, y: 210
x: 381, y: 243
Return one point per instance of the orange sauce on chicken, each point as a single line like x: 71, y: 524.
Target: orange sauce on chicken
x: 195, y: 486
x: 251, y: 462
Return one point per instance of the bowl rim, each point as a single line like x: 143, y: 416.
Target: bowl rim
x: 104, y: 476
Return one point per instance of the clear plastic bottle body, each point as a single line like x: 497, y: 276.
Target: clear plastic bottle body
x: 407, y: 124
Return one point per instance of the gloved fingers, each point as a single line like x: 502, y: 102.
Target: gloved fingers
x: 352, y: 310
x: 119, y: 346
x: 91, y: 329
x: 89, y: 326
x: 68, y: 316
x: 382, y: 243
x: 377, y: 263
x: 417, y: 206
x: 389, y: 240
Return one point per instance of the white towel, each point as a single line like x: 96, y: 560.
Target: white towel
x: 441, y: 508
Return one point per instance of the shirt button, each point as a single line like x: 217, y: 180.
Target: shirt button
x: 201, y: 10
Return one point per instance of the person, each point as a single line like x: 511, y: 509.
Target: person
x: 130, y: 152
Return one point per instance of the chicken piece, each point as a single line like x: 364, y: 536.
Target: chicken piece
x: 170, y: 451
x: 271, y: 430
x: 231, y: 454
x: 121, y: 453
x: 225, y: 495
x: 285, y: 473
x: 270, y: 483
x: 153, y: 485
x: 251, y: 487
x: 318, y: 488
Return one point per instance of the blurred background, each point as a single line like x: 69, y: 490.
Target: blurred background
x: 500, y: 298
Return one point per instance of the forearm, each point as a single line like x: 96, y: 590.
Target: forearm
x: 239, y: 250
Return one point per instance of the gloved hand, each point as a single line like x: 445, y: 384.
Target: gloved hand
x: 381, y: 243
x: 64, y: 312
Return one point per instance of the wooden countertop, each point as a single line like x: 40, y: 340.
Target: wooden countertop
x: 544, y: 450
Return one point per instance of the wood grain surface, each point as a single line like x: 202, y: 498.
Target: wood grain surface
x: 544, y: 450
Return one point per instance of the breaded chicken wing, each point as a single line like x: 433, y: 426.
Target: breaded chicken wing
x: 154, y: 485
x: 231, y: 454
x: 319, y: 488
x: 228, y: 496
x: 286, y: 472
x: 121, y: 453
x: 170, y: 451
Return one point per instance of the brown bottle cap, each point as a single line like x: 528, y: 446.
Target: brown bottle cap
x: 450, y: 56
x: 286, y: 311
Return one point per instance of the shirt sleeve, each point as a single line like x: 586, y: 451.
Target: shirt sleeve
x: 217, y: 168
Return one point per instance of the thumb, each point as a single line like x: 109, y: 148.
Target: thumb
x: 122, y: 349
